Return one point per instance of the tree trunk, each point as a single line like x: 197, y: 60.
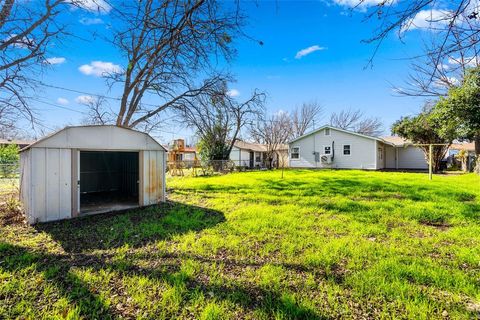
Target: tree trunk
x: 477, y: 144
x: 477, y: 153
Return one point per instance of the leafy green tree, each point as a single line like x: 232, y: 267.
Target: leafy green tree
x: 9, y: 157
x: 422, y: 129
x: 459, y: 111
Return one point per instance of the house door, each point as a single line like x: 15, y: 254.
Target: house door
x: 252, y: 157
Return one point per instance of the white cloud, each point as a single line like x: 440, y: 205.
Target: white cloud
x: 90, y: 21
x: 85, y: 99
x: 62, y: 101
x: 307, y: 51
x: 98, y: 6
x: 233, y: 93
x: 428, y: 19
x: 470, y: 62
x: 55, y: 60
x: 362, y: 5
x: 447, y: 82
x: 100, y: 68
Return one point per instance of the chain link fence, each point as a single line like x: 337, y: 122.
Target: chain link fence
x: 210, y: 167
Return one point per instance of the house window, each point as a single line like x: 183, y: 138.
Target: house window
x: 327, y: 131
x: 295, y: 153
x: 327, y: 150
x: 346, y: 149
x: 257, y: 157
x: 380, y: 153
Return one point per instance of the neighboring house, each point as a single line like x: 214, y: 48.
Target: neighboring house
x: 178, y: 151
x: 330, y: 147
x: 20, y: 143
x: 254, y: 155
x: 455, y: 148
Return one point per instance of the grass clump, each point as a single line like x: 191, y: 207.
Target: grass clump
x: 314, y: 245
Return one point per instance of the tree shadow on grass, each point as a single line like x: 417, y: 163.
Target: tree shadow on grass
x: 135, y: 228
x: 57, y: 270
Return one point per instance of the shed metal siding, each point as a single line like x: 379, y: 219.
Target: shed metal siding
x: 153, y: 177
x: 361, y: 150
x: 50, y: 184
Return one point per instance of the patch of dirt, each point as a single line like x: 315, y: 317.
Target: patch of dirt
x: 438, y: 225
x: 11, y: 214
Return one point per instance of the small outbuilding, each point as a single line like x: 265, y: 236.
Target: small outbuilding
x: 90, y: 169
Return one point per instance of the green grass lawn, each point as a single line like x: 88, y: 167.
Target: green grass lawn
x: 315, y: 245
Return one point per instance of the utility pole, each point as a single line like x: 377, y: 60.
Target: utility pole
x: 430, y: 155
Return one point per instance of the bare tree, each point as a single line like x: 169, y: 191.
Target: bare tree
x: 431, y: 78
x: 27, y: 30
x: 218, y: 119
x: 98, y: 112
x: 274, y: 134
x: 455, y: 25
x: 305, y: 117
x: 169, y: 45
x: 355, y: 120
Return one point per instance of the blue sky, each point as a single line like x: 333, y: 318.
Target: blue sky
x: 335, y: 75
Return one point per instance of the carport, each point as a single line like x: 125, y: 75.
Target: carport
x: 91, y: 169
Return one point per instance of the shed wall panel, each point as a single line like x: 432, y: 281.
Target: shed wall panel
x: 25, y: 182
x: 153, y: 177
x: 38, y: 184
x: 51, y: 184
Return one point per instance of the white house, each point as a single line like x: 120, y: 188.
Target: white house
x: 330, y: 147
x: 254, y: 155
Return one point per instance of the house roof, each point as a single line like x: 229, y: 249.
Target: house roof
x: 258, y: 147
x: 17, y: 142
x: 397, y: 141
x: 469, y: 146
x: 103, y: 127
x: 250, y: 146
x: 341, y: 130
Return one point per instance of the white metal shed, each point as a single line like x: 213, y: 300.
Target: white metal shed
x: 90, y: 169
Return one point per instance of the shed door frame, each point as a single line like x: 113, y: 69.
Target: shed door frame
x: 75, y: 183
x: 76, y: 177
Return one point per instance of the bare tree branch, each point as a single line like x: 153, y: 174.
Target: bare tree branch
x: 169, y: 46
x: 355, y: 120
x: 305, y: 117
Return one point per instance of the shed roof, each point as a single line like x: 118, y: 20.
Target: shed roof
x: 98, y: 137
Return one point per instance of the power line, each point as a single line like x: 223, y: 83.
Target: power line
x: 56, y: 105
x: 87, y: 93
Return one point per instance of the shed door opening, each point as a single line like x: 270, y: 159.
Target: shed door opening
x: 108, y: 181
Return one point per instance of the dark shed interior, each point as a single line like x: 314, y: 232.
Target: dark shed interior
x: 108, y: 180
